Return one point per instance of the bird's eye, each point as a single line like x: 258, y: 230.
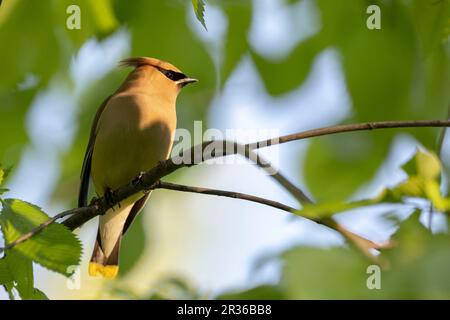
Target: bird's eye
x: 172, y: 75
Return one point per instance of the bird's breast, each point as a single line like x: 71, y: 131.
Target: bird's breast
x: 134, y: 132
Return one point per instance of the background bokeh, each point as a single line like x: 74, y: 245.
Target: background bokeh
x: 269, y: 67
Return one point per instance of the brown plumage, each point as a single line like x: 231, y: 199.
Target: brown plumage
x: 132, y: 130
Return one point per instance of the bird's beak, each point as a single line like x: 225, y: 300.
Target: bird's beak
x: 185, y: 81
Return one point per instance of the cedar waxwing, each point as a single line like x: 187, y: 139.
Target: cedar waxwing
x: 132, y: 130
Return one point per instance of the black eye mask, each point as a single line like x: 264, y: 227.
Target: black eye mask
x: 172, y: 75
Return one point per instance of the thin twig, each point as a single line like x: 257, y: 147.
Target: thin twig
x: 157, y: 185
x: 349, y: 128
x: 361, y: 243
x: 44, y: 225
x: 223, y: 193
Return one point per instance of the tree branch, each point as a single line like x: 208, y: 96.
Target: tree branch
x: 147, y: 180
x: 164, y: 168
x: 150, y: 179
x: 361, y: 243
x: 350, y: 128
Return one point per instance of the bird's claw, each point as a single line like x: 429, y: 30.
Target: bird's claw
x: 161, y: 163
x: 110, y: 198
x: 93, y: 201
x: 138, y: 178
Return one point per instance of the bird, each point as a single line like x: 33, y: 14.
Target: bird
x: 132, y: 131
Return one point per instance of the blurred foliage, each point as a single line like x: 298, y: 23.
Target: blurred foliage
x: 423, y: 171
x: 399, y: 72
x: 391, y: 74
x: 413, y: 267
x: 169, y: 288
x: 416, y: 268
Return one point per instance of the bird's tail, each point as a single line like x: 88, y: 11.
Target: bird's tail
x: 104, y: 266
x: 105, y: 257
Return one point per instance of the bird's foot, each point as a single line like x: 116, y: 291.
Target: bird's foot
x: 93, y: 201
x: 138, y: 179
x: 161, y: 163
x: 110, y: 198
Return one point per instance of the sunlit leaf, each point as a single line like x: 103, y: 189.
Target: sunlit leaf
x: 103, y: 13
x: 424, y: 165
x: 5, y: 274
x: 424, y: 171
x: 423, y: 181
x: 327, y: 209
x: 3, y: 174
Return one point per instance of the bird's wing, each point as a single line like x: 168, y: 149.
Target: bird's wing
x: 86, y: 169
x: 138, y: 205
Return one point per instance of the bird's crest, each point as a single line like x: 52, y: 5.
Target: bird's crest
x: 145, y: 61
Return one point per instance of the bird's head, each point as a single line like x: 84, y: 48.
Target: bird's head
x: 166, y: 74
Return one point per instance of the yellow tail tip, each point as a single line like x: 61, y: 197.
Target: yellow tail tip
x: 108, y: 272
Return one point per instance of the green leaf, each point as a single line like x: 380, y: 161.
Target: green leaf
x: 16, y: 271
x: 424, y: 170
x: 55, y: 247
x: 38, y: 295
x: 21, y: 271
x: 3, y: 175
x: 199, y: 9
x: 419, y: 263
x: 9, y: 290
x: 327, y: 209
x: 5, y: 274
x: 425, y: 165
x: 103, y: 15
